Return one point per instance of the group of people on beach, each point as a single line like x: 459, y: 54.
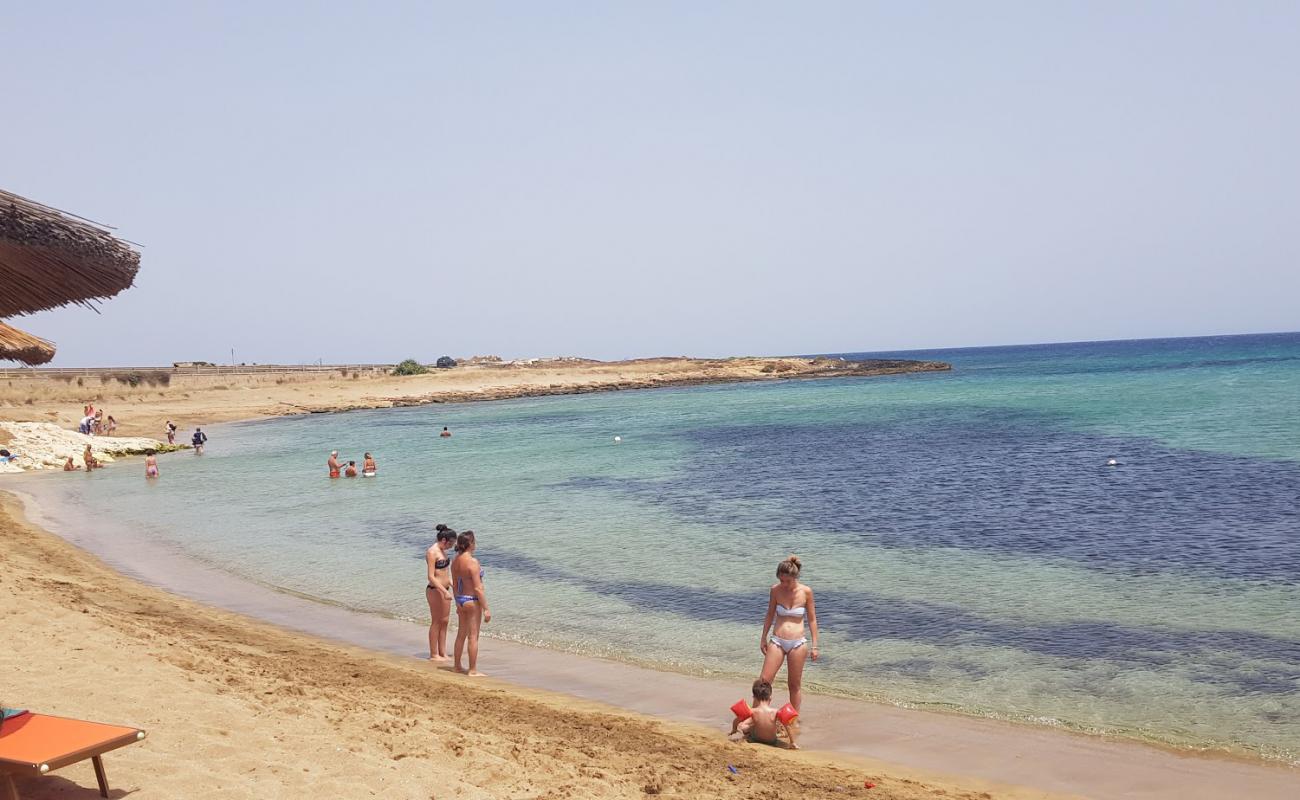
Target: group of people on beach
x: 369, y: 468
x: 455, y: 579
x: 95, y: 423
x: 92, y: 424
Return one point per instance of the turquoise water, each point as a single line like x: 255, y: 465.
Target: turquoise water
x: 969, y: 548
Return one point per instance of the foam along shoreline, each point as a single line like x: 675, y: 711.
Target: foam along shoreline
x: 926, y: 742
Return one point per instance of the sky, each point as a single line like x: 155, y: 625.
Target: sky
x: 360, y: 183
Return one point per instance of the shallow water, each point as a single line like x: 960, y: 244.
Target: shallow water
x: 968, y: 545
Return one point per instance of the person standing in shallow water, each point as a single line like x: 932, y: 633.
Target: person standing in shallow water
x: 438, y: 590
x: 789, y: 603
x: 198, y: 440
x: 333, y: 464
x: 471, y: 601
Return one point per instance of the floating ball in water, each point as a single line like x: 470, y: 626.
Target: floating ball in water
x: 618, y: 438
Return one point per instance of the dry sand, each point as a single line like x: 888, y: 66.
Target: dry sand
x: 239, y: 709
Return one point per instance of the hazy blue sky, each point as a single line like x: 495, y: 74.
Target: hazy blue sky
x: 374, y: 181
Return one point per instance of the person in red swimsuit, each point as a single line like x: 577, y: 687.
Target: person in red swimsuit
x: 334, y: 464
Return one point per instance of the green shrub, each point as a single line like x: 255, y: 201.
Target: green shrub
x: 410, y: 367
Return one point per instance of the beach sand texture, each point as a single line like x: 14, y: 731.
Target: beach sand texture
x: 240, y: 709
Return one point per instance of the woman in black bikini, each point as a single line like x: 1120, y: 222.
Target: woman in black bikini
x: 438, y: 591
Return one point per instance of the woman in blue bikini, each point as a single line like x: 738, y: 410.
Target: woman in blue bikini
x: 789, y: 603
x: 471, y: 601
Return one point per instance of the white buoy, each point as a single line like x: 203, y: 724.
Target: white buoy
x: 1112, y: 463
x: 618, y: 438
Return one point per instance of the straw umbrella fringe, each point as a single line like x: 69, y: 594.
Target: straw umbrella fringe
x: 15, y: 345
x: 50, y: 259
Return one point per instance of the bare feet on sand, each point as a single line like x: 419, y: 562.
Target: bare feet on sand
x: 470, y: 673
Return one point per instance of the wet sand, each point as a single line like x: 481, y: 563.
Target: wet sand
x: 876, y: 740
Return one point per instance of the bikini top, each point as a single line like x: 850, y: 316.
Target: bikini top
x: 782, y: 611
x: 459, y: 580
x: 442, y: 563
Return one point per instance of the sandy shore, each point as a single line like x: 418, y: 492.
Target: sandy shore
x: 240, y: 709
x: 142, y: 408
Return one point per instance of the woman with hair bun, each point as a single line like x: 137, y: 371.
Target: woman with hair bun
x: 437, y: 561
x: 789, y: 603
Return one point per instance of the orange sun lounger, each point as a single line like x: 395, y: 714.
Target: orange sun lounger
x: 35, y: 744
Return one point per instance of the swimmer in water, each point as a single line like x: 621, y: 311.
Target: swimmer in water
x: 1112, y: 462
x: 150, y: 464
x: 351, y: 471
x: 438, y: 590
x: 333, y: 464
x: 471, y: 601
x: 445, y: 433
x: 368, y: 466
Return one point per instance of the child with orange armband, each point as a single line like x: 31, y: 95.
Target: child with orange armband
x: 758, y: 723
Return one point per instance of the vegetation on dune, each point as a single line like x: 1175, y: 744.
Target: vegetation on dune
x: 410, y: 367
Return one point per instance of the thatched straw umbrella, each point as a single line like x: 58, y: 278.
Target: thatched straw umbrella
x: 50, y: 259
x: 18, y: 346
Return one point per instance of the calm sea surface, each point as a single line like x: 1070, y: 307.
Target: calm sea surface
x: 969, y: 548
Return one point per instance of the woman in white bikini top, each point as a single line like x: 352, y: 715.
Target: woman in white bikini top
x: 789, y: 603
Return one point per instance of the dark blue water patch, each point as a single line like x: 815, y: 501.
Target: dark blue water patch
x: 992, y: 480
x: 1108, y: 356
x: 863, y: 616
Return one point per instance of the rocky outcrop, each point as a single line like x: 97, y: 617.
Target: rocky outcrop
x: 41, y: 445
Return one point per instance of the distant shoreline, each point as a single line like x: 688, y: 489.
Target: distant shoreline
x: 144, y: 400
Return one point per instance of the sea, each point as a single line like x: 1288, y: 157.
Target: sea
x: 970, y: 545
